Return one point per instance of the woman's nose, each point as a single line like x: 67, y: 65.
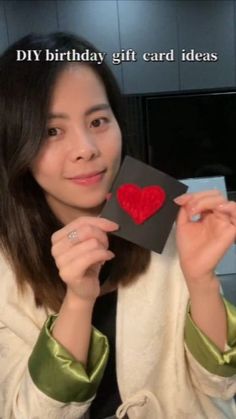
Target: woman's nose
x: 82, y: 146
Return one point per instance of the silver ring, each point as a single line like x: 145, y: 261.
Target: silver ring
x: 73, y: 235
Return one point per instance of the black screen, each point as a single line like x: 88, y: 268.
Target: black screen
x: 193, y: 135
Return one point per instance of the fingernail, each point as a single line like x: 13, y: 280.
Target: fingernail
x: 178, y: 200
x: 195, y: 217
x: 115, y: 225
x: 108, y: 196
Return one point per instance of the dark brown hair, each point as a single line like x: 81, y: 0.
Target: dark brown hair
x: 26, y: 221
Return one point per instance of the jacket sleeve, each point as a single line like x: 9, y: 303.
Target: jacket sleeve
x: 213, y: 372
x: 47, y: 382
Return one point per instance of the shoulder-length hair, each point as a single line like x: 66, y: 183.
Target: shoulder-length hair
x: 26, y: 220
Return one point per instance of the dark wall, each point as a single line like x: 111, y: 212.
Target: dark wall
x: 144, y: 26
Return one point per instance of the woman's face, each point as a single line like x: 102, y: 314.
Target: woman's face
x: 80, y: 157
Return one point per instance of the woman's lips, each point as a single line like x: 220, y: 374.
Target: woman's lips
x: 89, y: 180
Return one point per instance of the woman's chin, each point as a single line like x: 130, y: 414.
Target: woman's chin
x: 93, y: 206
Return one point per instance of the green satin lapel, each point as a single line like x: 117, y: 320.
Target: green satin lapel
x: 206, y: 352
x: 231, y: 314
x: 59, y: 375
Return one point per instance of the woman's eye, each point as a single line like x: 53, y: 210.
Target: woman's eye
x: 52, y: 132
x: 96, y: 123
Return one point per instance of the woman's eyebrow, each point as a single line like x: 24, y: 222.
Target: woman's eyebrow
x: 58, y: 115
x: 95, y: 108
x: 99, y: 107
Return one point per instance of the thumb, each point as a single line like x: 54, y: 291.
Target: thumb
x: 182, y: 217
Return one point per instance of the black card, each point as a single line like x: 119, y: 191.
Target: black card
x: 141, y: 202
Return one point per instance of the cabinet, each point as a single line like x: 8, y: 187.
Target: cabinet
x: 23, y: 17
x: 207, y: 26
x: 149, y: 26
x: 3, y: 28
x: 96, y: 21
x: 192, y: 26
x: 145, y: 26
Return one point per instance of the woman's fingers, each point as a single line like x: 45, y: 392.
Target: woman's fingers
x: 102, y: 223
x: 228, y: 208
x: 184, y: 198
x: 197, y: 205
x: 84, y: 233
x: 78, y: 251
x: 200, y: 202
x: 79, y: 265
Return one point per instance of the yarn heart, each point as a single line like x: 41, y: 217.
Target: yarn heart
x: 140, y: 203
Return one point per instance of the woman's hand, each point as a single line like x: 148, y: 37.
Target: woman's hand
x: 202, y: 244
x: 229, y: 208
x: 79, y: 260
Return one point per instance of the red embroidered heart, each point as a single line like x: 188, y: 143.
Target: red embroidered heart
x: 140, y: 203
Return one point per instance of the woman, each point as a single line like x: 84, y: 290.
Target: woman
x: 62, y: 273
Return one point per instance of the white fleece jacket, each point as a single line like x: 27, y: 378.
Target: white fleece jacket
x: 157, y: 376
